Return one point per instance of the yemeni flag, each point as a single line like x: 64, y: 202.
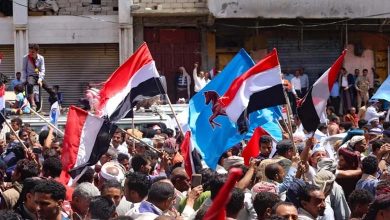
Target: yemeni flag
x: 135, y: 80
x: 86, y: 139
x: 260, y: 87
x: 2, y: 104
x: 192, y: 161
x: 312, y: 107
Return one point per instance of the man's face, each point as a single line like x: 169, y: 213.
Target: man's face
x: 15, y: 126
x: 281, y: 174
x: 316, y: 205
x: 357, y: 72
x: 287, y: 211
x: 125, y: 163
x: 56, y: 146
x: 30, y: 203
x: 18, y: 75
x: 132, y: 195
x: 317, y: 156
x: 33, y: 52
x: 80, y: 205
x: 383, y: 214
x: 116, y: 139
x: 146, y: 169
x: 361, y: 146
x: 114, y: 194
x: 47, y: 208
x: 182, y: 182
x: 365, y: 73
x: 266, y: 148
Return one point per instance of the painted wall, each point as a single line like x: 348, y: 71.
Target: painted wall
x: 366, y: 61
x: 297, y: 8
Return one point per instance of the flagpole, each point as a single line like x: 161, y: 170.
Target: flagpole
x: 174, y: 114
x: 290, y: 130
x: 132, y: 124
x: 48, y: 122
x: 12, y: 130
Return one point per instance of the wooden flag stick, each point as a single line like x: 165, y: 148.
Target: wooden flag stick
x: 48, y: 122
x: 134, y: 137
x: 289, y: 113
x: 174, y: 114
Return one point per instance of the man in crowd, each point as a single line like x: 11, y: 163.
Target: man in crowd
x: 362, y: 85
x: 49, y: 196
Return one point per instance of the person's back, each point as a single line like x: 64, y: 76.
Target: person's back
x: 368, y: 180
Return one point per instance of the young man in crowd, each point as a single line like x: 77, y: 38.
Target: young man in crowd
x: 49, y: 196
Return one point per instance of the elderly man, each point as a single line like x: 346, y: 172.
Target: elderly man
x: 81, y: 198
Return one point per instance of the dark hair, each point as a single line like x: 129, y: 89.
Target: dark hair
x: 276, y: 217
x: 365, y: 70
x: 216, y: 183
x: 18, y: 121
x: 381, y: 202
x: 160, y: 191
x: 111, y: 184
x: 123, y: 218
x: 56, y: 190
x: 101, y: 207
x: 282, y: 203
x: 331, y: 108
x: 33, y: 47
x: 264, y: 200
x: 19, y: 88
x: 361, y: 123
x: 369, y: 165
x: 137, y: 161
x: 52, y: 166
x: 27, y: 169
x: 359, y: 196
x: 28, y: 187
x: 304, y: 195
x: 9, y: 215
x: 346, y: 125
x: 169, y: 132
x: 50, y: 152
x: 271, y: 170
x: 138, y: 182
x: 236, y: 202
x: 207, y: 175
x: 151, y: 155
x: 265, y: 139
x: 42, y: 137
x: 122, y: 157
x: 377, y: 144
x: 284, y: 146
x: 87, y: 176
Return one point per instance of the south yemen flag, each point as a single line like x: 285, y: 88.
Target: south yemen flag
x: 135, y: 80
x: 312, y: 107
x: 259, y: 87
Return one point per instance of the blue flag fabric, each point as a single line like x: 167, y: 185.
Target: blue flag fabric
x: 383, y: 91
x: 213, y: 142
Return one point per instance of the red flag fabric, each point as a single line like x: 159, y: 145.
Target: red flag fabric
x: 186, y: 151
x: 252, y: 148
x: 217, y: 210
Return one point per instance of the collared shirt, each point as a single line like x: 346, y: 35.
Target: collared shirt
x: 296, y: 83
x: 29, y: 68
x: 304, y: 81
x: 372, y: 113
x: 304, y: 215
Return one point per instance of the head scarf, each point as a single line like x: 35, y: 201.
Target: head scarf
x: 264, y: 187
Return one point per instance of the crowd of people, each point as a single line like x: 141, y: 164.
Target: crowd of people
x: 304, y: 179
x: 340, y: 173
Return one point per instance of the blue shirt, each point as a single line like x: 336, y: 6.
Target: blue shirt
x: 14, y: 83
x: 368, y: 184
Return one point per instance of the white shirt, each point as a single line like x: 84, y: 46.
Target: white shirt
x: 344, y: 81
x: 372, y: 113
x: 304, y: 81
x: 296, y: 82
x: 199, y: 83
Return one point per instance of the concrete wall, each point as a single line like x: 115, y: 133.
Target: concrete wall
x: 73, y: 30
x: 174, y: 7
x: 85, y: 7
x: 297, y: 8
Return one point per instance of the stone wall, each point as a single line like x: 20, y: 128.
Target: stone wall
x: 85, y: 7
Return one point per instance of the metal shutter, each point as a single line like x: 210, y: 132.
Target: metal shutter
x: 315, y: 55
x: 7, y: 65
x: 73, y: 66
